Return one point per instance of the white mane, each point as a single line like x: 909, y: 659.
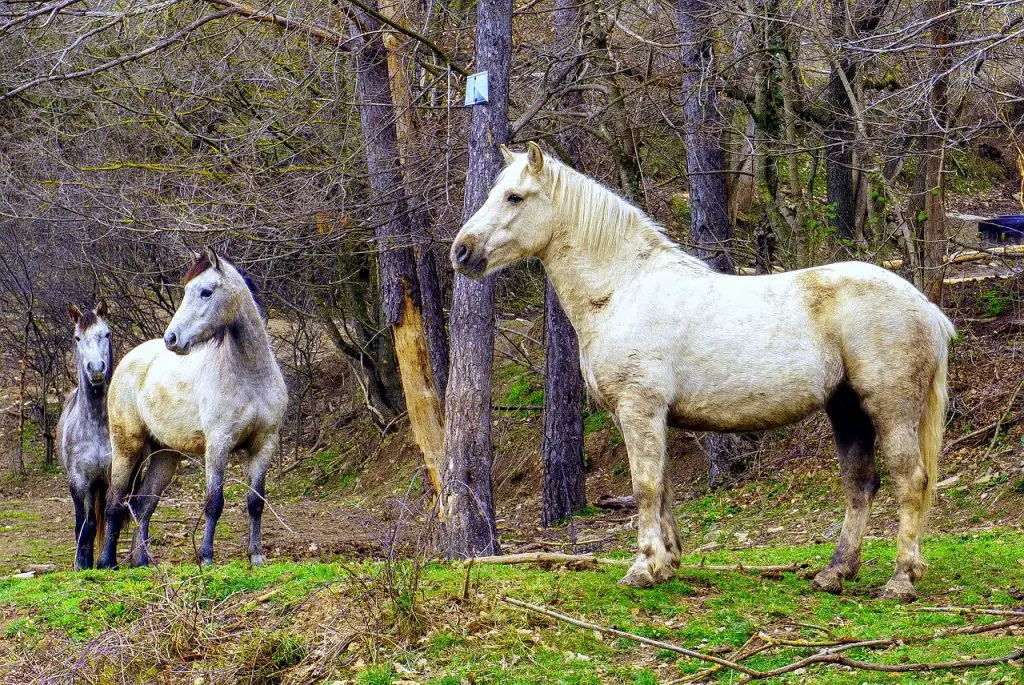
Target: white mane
x: 596, y: 217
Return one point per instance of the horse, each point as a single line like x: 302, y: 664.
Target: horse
x: 210, y: 387
x: 83, y: 440
x: 665, y: 340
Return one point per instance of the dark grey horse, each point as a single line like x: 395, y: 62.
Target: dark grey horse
x: 84, y: 441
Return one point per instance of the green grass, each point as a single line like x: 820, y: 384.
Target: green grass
x: 485, y: 640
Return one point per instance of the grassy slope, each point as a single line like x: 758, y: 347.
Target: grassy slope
x: 292, y: 622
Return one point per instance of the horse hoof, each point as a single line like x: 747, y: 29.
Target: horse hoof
x: 107, y: 565
x: 206, y: 561
x: 900, y: 591
x: 829, y: 581
x: 256, y: 559
x: 638, y: 576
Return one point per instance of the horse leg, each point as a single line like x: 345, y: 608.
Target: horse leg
x: 260, y: 461
x: 162, y: 465
x: 902, y: 450
x: 83, y: 530
x: 643, y: 428
x: 216, y: 462
x: 669, y: 525
x: 855, y: 441
x: 126, y: 449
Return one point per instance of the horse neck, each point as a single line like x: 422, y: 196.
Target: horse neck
x: 92, y: 400
x: 248, y: 342
x: 583, y: 275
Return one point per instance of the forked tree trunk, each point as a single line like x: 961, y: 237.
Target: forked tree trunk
x: 709, y: 203
x: 426, y: 262
x: 565, y: 482
x: 467, y: 526
x: 399, y: 282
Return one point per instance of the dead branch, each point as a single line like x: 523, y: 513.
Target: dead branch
x: 693, y: 654
x: 980, y: 434
x: 590, y: 559
x: 970, y: 610
x: 830, y: 655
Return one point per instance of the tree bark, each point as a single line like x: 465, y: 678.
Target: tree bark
x: 863, y: 18
x: 467, y: 526
x: 399, y: 281
x: 928, y: 198
x: 426, y: 262
x: 564, y: 481
x: 709, y: 205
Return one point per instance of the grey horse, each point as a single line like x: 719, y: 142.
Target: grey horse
x: 84, y: 441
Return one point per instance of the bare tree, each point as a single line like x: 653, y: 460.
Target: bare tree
x: 467, y: 516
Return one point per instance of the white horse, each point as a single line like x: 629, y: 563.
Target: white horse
x: 664, y: 339
x: 212, y: 387
x: 82, y: 438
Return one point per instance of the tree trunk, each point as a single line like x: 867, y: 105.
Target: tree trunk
x: 426, y: 262
x: 467, y: 526
x: 839, y: 132
x: 562, y: 450
x: 846, y: 22
x: 399, y: 281
x: 565, y: 482
x: 709, y: 208
x: 928, y: 199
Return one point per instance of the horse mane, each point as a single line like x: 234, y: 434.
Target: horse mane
x: 88, y: 320
x: 597, y: 217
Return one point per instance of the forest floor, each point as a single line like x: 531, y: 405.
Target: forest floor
x: 349, y: 596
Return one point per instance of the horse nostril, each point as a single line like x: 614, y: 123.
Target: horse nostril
x: 170, y: 339
x: 462, y: 254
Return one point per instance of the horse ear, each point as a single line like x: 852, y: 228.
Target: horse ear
x: 211, y: 256
x: 74, y: 313
x: 535, y: 157
x: 101, y: 307
x: 506, y: 153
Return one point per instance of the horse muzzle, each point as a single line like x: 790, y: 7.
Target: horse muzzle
x: 467, y: 258
x: 176, y: 344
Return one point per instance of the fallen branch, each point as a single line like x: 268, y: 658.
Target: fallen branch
x: 590, y: 559
x: 982, y: 433
x: 970, y: 610
x: 832, y: 655
x: 693, y: 654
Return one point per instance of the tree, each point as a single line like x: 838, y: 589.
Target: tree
x: 709, y: 209
x: 467, y: 525
x: 399, y: 281
x: 564, y: 489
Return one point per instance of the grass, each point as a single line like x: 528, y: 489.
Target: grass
x: 283, y: 607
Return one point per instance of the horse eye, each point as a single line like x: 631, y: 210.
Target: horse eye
x: 78, y: 338
x: 515, y: 199
x: 205, y: 293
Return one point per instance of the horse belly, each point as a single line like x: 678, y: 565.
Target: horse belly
x: 172, y: 421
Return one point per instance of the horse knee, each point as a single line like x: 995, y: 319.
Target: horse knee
x: 254, y: 504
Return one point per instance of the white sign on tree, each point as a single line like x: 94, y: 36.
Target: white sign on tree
x: 476, y: 88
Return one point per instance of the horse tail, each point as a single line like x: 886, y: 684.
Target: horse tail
x: 933, y: 419
x: 99, y: 504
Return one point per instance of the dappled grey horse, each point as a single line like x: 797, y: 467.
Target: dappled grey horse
x: 212, y: 387
x: 83, y: 441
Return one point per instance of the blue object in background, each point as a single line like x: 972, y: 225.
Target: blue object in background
x: 1004, y: 229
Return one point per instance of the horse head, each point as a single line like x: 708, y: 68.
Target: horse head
x: 515, y: 221
x: 92, y: 343
x: 215, y: 294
